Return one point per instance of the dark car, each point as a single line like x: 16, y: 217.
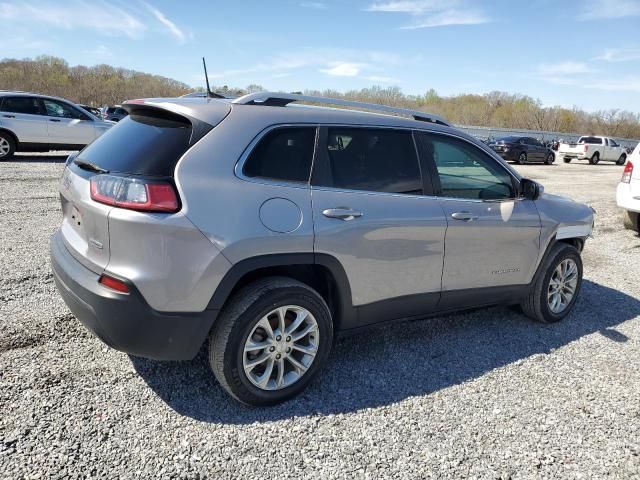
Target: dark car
x: 115, y: 113
x: 522, y: 150
x: 94, y: 110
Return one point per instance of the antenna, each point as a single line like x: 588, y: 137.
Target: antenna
x: 210, y: 94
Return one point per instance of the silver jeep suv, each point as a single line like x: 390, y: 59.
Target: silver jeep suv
x: 265, y: 227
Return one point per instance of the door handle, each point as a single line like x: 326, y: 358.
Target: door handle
x: 464, y: 216
x: 343, y: 213
x: 9, y: 116
x: 54, y: 120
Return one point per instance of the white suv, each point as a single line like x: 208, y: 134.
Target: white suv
x: 628, y: 193
x: 38, y: 123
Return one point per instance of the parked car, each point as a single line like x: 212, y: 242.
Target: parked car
x: 628, y: 192
x: 594, y: 149
x: 115, y: 114
x: 522, y: 150
x: 39, y: 123
x: 92, y: 110
x: 206, y: 231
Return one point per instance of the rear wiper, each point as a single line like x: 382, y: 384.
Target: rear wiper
x: 89, y: 166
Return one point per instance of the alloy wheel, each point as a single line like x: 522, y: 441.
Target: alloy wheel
x: 4, y: 147
x: 562, y: 286
x: 281, y: 347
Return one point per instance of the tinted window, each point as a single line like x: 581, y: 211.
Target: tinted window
x: 372, y: 159
x: 464, y: 170
x: 613, y: 143
x: 590, y: 140
x: 63, y: 110
x: 30, y: 105
x: 283, y: 154
x: 141, y: 143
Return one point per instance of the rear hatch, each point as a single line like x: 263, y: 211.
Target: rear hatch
x: 145, y: 146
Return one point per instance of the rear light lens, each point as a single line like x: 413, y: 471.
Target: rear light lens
x: 113, y: 283
x: 626, y: 174
x: 134, y: 193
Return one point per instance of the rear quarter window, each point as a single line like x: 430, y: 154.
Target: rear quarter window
x: 283, y: 154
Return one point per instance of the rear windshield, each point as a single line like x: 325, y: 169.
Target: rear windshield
x: 143, y: 143
x: 590, y: 140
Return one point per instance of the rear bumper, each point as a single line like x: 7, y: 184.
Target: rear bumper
x: 572, y: 155
x: 125, y: 321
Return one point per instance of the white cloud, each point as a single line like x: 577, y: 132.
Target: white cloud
x: 344, y: 69
x: 433, y: 13
x: 365, y: 65
x: 314, y: 5
x: 625, y: 84
x: 619, y: 55
x: 171, y: 26
x: 101, y: 51
x: 102, y: 18
x: 563, y: 68
x: 449, y: 17
x: 414, y: 7
x: 607, y: 9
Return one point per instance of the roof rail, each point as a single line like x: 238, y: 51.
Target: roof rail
x: 272, y: 99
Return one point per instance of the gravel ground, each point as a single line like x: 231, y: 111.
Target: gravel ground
x: 486, y: 394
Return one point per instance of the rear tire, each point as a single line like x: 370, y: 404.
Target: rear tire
x: 550, y: 159
x: 631, y: 220
x: 622, y: 160
x: 566, y: 160
x: 539, y: 303
x: 7, y: 146
x: 594, y: 159
x: 522, y: 158
x: 238, y: 330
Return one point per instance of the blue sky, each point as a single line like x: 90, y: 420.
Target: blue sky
x: 564, y: 52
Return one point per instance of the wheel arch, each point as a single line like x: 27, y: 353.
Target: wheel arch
x: 12, y: 135
x: 322, y: 272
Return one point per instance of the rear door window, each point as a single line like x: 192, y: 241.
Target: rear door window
x: 371, y: 159
x: 28, y: 105
x: 283, y: 154
x: 147, y: 142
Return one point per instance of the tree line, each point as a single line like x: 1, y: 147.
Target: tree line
x: 106, y: 85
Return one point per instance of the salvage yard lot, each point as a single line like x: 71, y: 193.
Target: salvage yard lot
x: 483, y: 394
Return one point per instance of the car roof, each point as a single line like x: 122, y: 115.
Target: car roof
x: 209, y: 108
x: 17, y: 93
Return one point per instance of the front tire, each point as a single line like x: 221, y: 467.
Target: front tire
x: 557, y: 285
x: 270, y: 340
x: 550, y: 159
x: 594, y: 159
x: 7, y: 146
x: 622, y: 160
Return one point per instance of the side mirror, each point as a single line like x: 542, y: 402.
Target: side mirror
x: 530, y: 190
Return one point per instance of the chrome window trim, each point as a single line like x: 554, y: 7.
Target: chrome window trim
x: 307, y: 185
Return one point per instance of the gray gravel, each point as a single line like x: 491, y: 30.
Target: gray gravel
x: 486, y: 394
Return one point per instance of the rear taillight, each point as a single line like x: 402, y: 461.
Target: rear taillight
x: 626, y: 174
x: 586, y: 148
x: 113, y: 283
x: 134, y: 193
